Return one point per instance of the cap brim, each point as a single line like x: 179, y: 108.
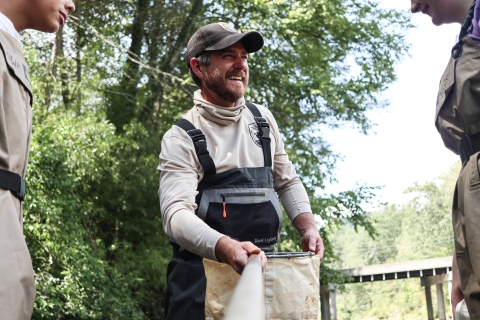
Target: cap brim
x: 252, y: 41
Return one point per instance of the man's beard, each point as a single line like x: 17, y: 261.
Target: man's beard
x: 217, y: 84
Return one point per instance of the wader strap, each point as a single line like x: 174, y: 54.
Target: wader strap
x: 200, y: 144
x: 13, y: 181
x: 469, y: 145
x: 466, y: 27
x: 264, y: 133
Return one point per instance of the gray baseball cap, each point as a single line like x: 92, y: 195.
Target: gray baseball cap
x: 221, y: 35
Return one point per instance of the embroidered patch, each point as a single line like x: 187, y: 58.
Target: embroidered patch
x: 25, y: 70
x: 443, y: 87
x: 253, y: 129
x: 227, y: 26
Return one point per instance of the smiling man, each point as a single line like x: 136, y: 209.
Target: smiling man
x: 222, y: 167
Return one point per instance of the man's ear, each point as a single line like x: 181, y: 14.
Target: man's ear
x: 197, y: 68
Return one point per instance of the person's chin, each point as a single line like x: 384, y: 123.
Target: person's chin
x: 238, y: 87
x: 437, y: 21
x: 51, y: 27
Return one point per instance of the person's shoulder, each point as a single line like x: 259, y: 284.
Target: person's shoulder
x: 266, y: 113
x: 9, y: 42
x: 176, y: 131
x: 263, y: 110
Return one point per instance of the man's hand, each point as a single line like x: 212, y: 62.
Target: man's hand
x: 236, y: 253
x: 307, y: 227
x: 457, y: 294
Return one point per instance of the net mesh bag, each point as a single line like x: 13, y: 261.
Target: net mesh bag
x: 291, y: 284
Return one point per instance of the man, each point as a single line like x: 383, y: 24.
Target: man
x: 17, y: 284
x: 220, y: 167
x: 458, y: 122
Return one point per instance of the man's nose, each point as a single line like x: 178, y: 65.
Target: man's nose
x: 70, y: 7
x: 240, y: 63
x: 414, y: 6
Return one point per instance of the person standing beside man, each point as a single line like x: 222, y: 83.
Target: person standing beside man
x: 458, y: 122
x: 222, y: 167
x: 17, y: 283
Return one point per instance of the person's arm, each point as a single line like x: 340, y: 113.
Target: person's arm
x: 456, y: 294
x: 180, y: 171
x: 179, y: 175
x: 307, y: 227
x: 293, y: 195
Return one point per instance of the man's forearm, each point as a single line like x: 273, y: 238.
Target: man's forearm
x: 307, y: 227
x: 304, y: 222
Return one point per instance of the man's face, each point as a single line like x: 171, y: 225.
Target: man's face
x: 225, y: 80
x: 441, y: 11
x: 49, y: 15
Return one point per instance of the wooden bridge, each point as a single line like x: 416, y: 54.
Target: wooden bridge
x: 430, y: 271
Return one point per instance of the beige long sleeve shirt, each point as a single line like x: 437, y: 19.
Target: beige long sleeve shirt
x: 17, y: 289
x: 232, y: 144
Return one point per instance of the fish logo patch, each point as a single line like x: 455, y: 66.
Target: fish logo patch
x: 25, y: 71
x: 253, y: 129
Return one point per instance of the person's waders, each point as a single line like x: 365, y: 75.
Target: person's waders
x: 239, y: 203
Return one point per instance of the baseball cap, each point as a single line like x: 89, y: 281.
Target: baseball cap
x: 221, y: 35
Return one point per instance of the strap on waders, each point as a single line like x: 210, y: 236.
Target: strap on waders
x: 200, y: 142
x: 469, y: 145
x: 14, y: 182
x: 263, y: 132
x: 466, y: 27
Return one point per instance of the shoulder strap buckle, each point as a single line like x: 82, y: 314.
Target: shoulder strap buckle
x: 200, y: 144
x: 263, y: 132
x: 199, y: 141
x: 263, y: 127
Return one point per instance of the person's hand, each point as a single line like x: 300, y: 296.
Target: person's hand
x: 307, y: 227
x: 311, y: 242
x: 236, y: 253
x: 456, y: 294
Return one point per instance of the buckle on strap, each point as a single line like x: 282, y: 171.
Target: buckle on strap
x: 469, y: 145
x: 21, y: 194
x: 199, y: 141
x: 263, y: 127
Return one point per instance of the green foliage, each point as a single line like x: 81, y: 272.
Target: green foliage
x: 68, y: 157
x: 96, y: 250
x: 419, y: 229
x: 116, y: 81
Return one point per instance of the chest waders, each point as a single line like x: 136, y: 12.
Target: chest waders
x: 457, y: 120
x: 239, y: 203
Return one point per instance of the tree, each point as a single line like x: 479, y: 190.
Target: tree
x: 419, y: 229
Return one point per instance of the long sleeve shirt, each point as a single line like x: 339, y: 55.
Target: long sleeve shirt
x: 231, y: 143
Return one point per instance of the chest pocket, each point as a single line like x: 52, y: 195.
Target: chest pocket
x: 245, y: 214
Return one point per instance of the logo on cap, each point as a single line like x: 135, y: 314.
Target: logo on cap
x: 227, y: 27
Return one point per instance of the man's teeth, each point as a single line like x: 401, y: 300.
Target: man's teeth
x: 235, y: 78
